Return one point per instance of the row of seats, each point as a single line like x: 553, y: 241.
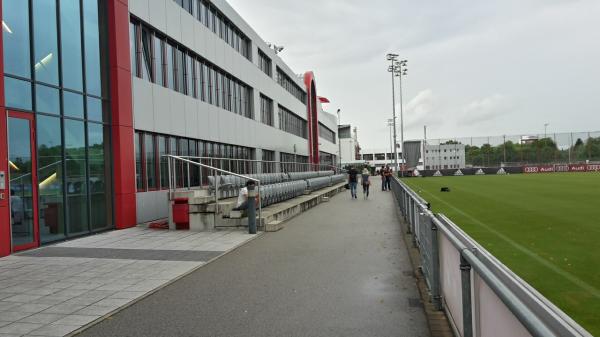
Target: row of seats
x: 309, y: 174
x: 274, y: 193
x: 318, y: 183
x: 229, y: 185
x: 338, y: 178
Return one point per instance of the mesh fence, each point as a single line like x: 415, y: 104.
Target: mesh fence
x: 530, y: 149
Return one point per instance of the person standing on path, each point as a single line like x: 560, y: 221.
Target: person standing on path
x: 388, y: 178
x: 365, y: 182
x: 353, y: 181
x: 383, y: 172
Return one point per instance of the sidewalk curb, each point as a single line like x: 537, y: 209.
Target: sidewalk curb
x: 153, y: 291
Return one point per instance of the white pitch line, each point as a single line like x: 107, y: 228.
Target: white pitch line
x: 574, y: 279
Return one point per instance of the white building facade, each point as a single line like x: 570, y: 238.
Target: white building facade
x: 444, y: 156
x: 379, y: 157
x: 205, y: 84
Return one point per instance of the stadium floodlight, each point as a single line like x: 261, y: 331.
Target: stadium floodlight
x: 393, y: 69
x: 402, y: 71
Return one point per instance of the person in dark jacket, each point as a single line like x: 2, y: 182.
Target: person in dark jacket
x: 353, y: 181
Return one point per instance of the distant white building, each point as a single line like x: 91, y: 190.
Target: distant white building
x: 379, y: 157
x: 349, y: 146
x: 444, y: 156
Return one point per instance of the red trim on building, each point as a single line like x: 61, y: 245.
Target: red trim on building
x: 312, y: 117
x: 4, y: 203
x: 122, y: 114
x: 29, y: 117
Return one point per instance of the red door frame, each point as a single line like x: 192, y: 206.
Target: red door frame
x: 34, y: 180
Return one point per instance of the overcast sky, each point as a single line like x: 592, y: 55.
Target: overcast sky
x: 475, y: 67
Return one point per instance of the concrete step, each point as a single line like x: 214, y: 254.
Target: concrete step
x: 191, y: 194
x: 274, y: 226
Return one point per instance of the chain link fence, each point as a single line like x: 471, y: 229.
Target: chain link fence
x: 528, y: 149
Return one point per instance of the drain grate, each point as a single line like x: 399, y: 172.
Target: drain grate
x: 415, y: 303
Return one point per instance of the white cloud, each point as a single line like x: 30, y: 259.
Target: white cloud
x: 421, y: 110
x: 484, y: 110
x: 516, y: 63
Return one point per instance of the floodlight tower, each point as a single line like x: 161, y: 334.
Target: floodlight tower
x: 401, y: 70
x: 390, y: 124
x: 392, y: 69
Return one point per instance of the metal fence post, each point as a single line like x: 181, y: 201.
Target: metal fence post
x: 435, y: 267
x: 251, y: 207
x: 465, y: 277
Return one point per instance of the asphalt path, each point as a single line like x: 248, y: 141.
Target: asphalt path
x: 339, y: 269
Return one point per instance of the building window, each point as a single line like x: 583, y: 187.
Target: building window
x: 291, y: 123
x: 49, y: 48
x: 268, y: 161
x: 158, y: 60
x: 147, y: 68
x: 45, y: 45
x: 290, y: 162
x: 218, y: 23
x: 266, y: 110
x: 179, y: 69
x: 368, y: 157
x: 264, y: 63
x: 290, y: 86
x: 326, y: 133
x: 327, y: 160
x: 379, y: 156
x: 150, y: 160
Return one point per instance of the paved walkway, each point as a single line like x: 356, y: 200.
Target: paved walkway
x: 340, y: 269
x: 55, y: 290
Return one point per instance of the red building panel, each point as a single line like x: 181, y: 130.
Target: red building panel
x: 4, y: 201
x: 312, y: 117
x: 122, y: 114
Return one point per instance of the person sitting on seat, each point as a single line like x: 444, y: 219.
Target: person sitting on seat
x: 242, y: 202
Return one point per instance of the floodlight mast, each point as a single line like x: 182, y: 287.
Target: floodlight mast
x: 401, y: 70
x: 392, y: 69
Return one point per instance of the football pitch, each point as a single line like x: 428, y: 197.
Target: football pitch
x: 545, y: 227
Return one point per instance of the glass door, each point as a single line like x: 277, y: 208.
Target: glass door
x: 22, y: 181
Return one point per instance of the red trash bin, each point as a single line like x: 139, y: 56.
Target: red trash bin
x: 181, y: 213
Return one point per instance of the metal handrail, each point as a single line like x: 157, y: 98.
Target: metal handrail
x: 173, y: 158
x: 332, y: 167
x: 539, y: 316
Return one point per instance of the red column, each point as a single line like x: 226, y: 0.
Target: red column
x: 312, y: 118
x: 4, y: 202
x: 122, y: 114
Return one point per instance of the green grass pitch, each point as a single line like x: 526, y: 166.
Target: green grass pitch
x: 545, y: 227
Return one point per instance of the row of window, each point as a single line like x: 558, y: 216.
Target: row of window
x: 378, y: 156
x: 33, y: 49
x: 218, y: 23
x: 445, y: 150
x: 268, y: 162
x: 152, y: 167
x: 293, y: 163
x: 445, y: 158
x: 264, y: 63
x: 266, y: 110
x: 288, y: 84
x: 327, y: 159
x: 292, y: 123
x: 326, y: 133
x: 437, y: 167
x: 164, y: 62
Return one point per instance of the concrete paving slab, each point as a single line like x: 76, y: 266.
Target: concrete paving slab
x: 55, y: 290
